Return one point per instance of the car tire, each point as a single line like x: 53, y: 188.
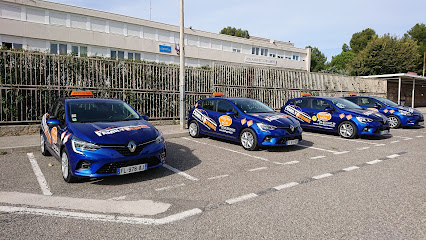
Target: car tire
x: 43, y: 148
x: 66, y: 168
x: 248, y: 139
x: 194, y: 129
x: 394, y: 121
x: 347, y: 129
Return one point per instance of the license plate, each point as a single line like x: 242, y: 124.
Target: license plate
x: 421, y: 123
x: 384, y: 132
x: 131, y: 169
x: 292, y: 142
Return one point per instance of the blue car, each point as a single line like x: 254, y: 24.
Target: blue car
x: 336, y: 115
x: 398, y: 116
x: 244, y: 120
x: 94, y: 137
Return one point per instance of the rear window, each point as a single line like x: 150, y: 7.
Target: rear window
x: 209, y: 104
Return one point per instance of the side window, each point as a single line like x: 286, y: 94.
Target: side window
x: 368, y: 102
x: 225, y: 106
x: 53, y: 109
x: 60, y: 114
x: 320, y: 104
x: 302, y: 102
x: 209, y: 105
x: 353, y: 99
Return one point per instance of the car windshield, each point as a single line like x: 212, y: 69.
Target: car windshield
x: 344, y: 104
x: 387, y: 102
x: 101, y: 111
x: 251, y: 106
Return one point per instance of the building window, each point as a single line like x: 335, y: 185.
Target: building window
x: 263, y: 52
x: 121, y: 54
x: 137, y: 56
x: 255, y: 50
x: 295, y: 57
x: 281, y: 57
x: 272, y: 55
x: 130, y: 56
x: 74, y: 50
x: 7, y: 45
x: 236, y: 50
x: 113, y: 54
x: 54, y: 48
x: 62, y: 49
x: 83, y: 51
x: 17, y: 46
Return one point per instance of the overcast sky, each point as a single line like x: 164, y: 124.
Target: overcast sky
x: 325, y: 24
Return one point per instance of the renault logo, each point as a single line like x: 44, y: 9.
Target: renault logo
x: 131, y: 146
x: 291, y: 128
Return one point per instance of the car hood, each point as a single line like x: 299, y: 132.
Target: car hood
x: 375, y: 115
x: 138, y: 131
x: 274, y: 118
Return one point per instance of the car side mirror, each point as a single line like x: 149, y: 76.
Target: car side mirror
x: 231, y: 114
x: 378, y: 106
x: 145, y: 117
x: 52, y: 122
x: 329, y: 109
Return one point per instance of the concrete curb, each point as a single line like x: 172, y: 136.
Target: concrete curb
x: 31, y: 148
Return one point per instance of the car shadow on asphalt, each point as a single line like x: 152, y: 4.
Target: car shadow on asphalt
x: 381, y: 137
x: 178, y: 156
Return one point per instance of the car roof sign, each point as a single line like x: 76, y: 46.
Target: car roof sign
x: 352, y: 94
x: 81, y: 94
x: 306, y: 94
x: 218, y: 94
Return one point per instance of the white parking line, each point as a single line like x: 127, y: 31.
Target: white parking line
x: 321, y: 149
x: 317, y: 157
x: 374, y: 162
x: 287, y: 185
x: 350, y: 168
x: 227, y: 149
x: 287, y: 163
x: 101, y: 217
x: 323, y: 176
x: 257, y: 169
x: 363, y: 148
x: 185, y: 175
x: 117, y: 198
x: 170, y: 187
x: 397, y: 141
x: 339, y: 138
x: 404, y: 138
x: 419, y: 136
x: 39, y: 174
x: 217, y: 177
x: 242, y: 198
x: 393, y: 156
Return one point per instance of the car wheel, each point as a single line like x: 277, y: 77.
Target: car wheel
x: 194, y: 129
x: 66, y: 168
x: 43, y: 148
x: 347, y: 130
x: 248, y: 139
x: 394, y: 121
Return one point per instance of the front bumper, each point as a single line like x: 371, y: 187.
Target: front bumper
x: 278, y: 137
x: 105, y: 161
x: 375, y: 128
x: 415, y: 120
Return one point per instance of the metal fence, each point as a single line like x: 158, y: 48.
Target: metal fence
x: 30, y: 82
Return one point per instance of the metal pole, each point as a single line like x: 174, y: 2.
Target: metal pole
x: 399, y: 91
x: 424, y: 58
x: 412, y: 93
x: 182, y: 70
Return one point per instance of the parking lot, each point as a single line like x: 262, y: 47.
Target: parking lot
x: 324, y: 187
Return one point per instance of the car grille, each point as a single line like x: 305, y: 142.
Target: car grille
x: 288, y: 129
x: 285, y: 139
x: 124, y: 150
x: 112, y: 167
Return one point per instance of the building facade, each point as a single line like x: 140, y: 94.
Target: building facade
x: 64, y: 29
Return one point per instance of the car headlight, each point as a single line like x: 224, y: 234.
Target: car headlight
x: 265, y: 127
x: 405, y: 113
x: 159, y: 138
x: 364, y: 119
x: 79, y: 145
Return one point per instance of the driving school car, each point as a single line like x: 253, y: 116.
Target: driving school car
x: 336, y: 114
x: 244, y: 120
x: 94, y: 137
x: 397, y: 115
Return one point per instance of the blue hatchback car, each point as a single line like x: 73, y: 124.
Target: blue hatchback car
x: 398, y: 115
x: 94, y: 137
x: 336, y: 115
x: 244, y: 120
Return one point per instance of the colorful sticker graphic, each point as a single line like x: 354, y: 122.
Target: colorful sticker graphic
x: 225, y: 120
x: 342, y: 115
x: 243, y: 121
x: 275, y: 117
x: 349, y: 117
x: 298, y: 113
x: 386, y: 110
x: 109, y: 131
x: 324, y: 116
x: 314, y: 118
x: 392, y: 111
x: 373, y: 109
x: 66, y: 138
x: 45, y: 127
x: 54, y: 133
x: 201, y: 116
x: 249, y: 123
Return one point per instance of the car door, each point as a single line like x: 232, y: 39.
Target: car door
x: 57, y: 130
x: 203, y: 114
x: 227, y: 125
x: 303, y: 111
x: 321, y: 119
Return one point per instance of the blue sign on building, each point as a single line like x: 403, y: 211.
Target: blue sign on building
x: 165, y: 49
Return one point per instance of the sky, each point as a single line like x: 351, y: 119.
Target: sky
x: 325, y: 24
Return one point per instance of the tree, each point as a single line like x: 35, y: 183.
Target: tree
x: 360, y: 40
x: 345, y: 48
x: 418, y: 33
x: 318, y: 59
x: 235, y: 32
x: 343, y: 60
x: 386, y: 55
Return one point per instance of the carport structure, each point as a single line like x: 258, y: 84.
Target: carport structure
x: 403, y: 87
